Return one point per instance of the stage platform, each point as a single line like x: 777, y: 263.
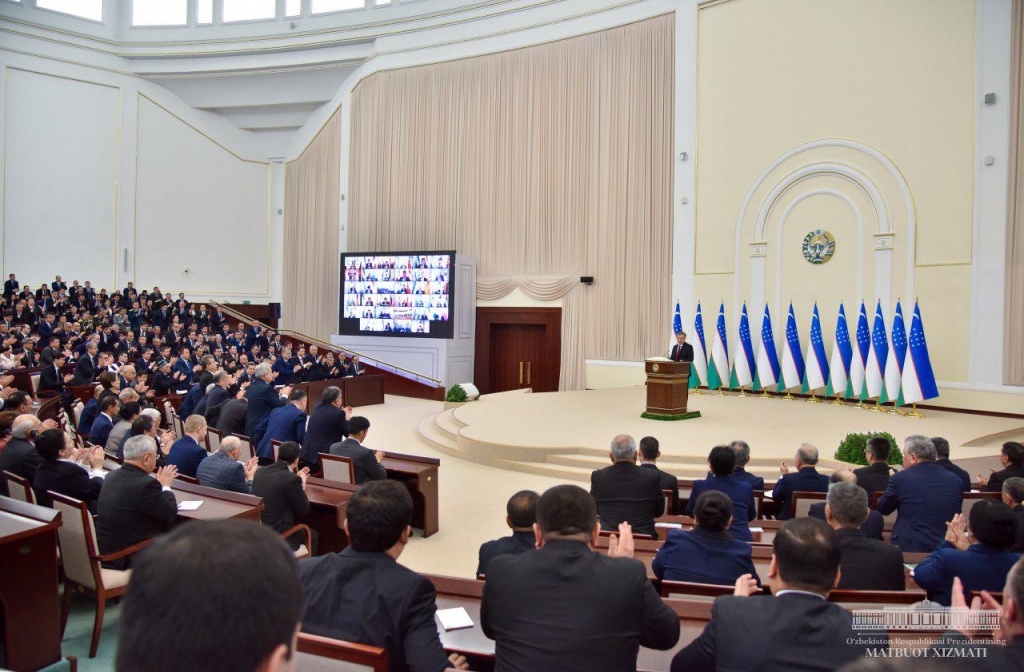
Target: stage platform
x: 567, y: 434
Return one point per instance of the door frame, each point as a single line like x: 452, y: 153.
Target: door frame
x: 486, y: 317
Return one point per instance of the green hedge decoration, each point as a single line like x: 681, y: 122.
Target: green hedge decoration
x: 852, y: 448
x: 456, y: 394
x: 658, y: 416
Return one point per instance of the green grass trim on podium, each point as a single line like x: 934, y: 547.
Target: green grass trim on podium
x: 681, y: 416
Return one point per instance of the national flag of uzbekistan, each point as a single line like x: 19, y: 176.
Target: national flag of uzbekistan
x: 718, y: 365
x: 766, y: 374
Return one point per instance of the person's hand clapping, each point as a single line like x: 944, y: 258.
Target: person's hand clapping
x: 745, y: 586
x: 166, y: 475
x: 96, y: 457
x: 783, y: 468
x: 250, y: 468
x: 50, y: 424
x: 956, y: 532
x: 621, y: 546
x: 304, y: 475
x: 458, y: 661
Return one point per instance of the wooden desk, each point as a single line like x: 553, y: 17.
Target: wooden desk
x: 363, y: 390
x: 28, y: 585
x: 419, y: 474
x: 328, y: 502
x: 217, y: 504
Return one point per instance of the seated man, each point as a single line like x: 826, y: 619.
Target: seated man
x: 942, y: 458
x: 722, y: 462
x: 134, y: 507
x: 363, y: 595
x: 62, y: 475
x: 872, y: 526
x: 564, y: 606
x: 20, y: 456
x: 742, y: 450
x: 805, y: 479
x: 100, y: 430
x: 795, y: 628
x: 282, y: 485
x: 649, y: 454
x: 626, y: 493
x: 1012, y: 458
x: 366, y: 462
x: 188, y: 452
x: 223, y: 471
x: 875, y: 477
x: 1013, y: 497
x: 204, y: 560
x: 521, y: 513
x: 708, y: 553
x: 982, y: 565
x: 867, y: 564
x: 926, y: 496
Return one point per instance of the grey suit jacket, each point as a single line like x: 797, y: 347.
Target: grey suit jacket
x: 363, y: 460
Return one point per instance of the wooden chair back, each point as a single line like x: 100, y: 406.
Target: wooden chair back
x: 213, y: 439
x: 179, y: 426
x: 801, y: 503
x: 690, y: 589
x: 78, y: 546
x: 972, y: 498
x: 865, y: 599
x: 636, y: 535
x: 20, y: 488
x: 274, y: 446
x: 76, y: 411
x: 338, y: 468
x: 35, y: 384
x: 323, y: 654
x: 248, y: 451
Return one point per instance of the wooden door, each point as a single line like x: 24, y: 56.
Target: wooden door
x: 518, y: 348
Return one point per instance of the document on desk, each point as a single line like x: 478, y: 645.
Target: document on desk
x: 190, y: 505
x: 454, y: 619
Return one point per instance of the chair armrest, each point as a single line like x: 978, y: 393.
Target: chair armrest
x: 124, y: 551
x: 301, y: 527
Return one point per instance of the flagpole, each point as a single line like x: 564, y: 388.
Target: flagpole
x: 838, y: 401
x: 914, y: 413
x: 813, y: 399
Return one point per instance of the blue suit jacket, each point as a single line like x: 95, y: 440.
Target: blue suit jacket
x: 980, y: 567
x: 744, y: 508
x: 287, y: 423
x: 703, y: 557
x: 755, y: 482
x: 283, y: 368
x: 927, y: 496
x: 88, y: 416
x: 100, y: 430
x: 262, y: 400
x: 805, y: 480
x: 220, y: 471
x: 186, y: 454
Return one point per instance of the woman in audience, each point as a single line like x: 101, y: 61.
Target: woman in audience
x: 708, y: 553
x: 722, y: 463
x: 982, y: 565
x: 61, y: 471
x: 9, y: 360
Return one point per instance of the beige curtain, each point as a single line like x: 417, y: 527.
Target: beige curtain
x: 1013, y: 368
x: 554, y: 160
x: 572, y: 368
x: 311, y: 193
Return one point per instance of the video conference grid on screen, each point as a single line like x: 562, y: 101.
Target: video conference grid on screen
x: 397, y: 294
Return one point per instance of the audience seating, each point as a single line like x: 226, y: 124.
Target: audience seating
x: 671, y: 502
x: 76, y: 412
x: 669, y: 588
x: 972, y: 498
x: 20, y: 488
x: 247, y: 448
x: 274, y: 445
x: 636, y: 535
x: 168, y: 413
x: 303, y: 550
x: 35, y: 384
x: 801, y: 503
x: 178, y: 426
x: 338, y: 468
x: 187, y: 479
x: 213, y: 439
x: 322, y: 654
x: 81, y: 557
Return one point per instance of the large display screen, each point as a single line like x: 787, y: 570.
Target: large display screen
x: 397, y: 294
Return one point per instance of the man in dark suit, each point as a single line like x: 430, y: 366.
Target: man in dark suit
x: 51, y: 379
x: 722, y: 461
x: 85, y: 368
x: 134, y: 507
x: 942, y: 459
x: 795, y: 628
x: 649, y: 454
x: 626, y: 493
x: 223, y: 471
x: 287, y: 423
x: 366, y: 462
x: 19, y: 456
x: 188, y: 452
x: 1012, y: 457
x: 1013, y: 497
x: 528, y: 596
x: 11, y: 286
x: 707, y: 553
x: 262, y: 400
x: 328, y: 424
x: 872, y: 526
x: 61, y: 475
x: 742, y: 450
x: 681, y: 351
x: 521, y: 514
x: 282, y: 485
x: 99, y: 431
x: 232, y: 416
x: 867, y: 564
x: 805, y: 479
x: 875, y: 477
x: 363, y: 595
x: 926, y: 496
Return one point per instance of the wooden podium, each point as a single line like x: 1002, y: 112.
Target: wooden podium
x: 668, y: 390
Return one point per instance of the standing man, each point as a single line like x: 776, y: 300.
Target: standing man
x: 262, y: 400
x: 328, y: 424
x: 287, y: 423
x: 875, y: 477
x: 282, y: 485
x: 681, y: 351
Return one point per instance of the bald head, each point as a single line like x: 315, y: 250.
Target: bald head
x: 623, y: 448
x: 24, y: 427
